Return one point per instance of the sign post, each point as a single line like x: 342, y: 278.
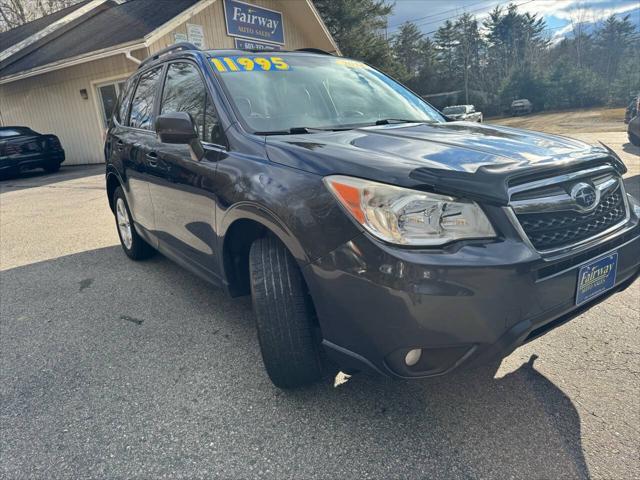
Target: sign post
x: 244, y: 44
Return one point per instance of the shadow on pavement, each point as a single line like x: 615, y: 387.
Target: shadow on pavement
x: 630, y: 148
x: 130, y: 369
x: 39, y: 178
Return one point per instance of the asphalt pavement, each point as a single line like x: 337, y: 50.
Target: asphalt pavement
x: 115, y: 369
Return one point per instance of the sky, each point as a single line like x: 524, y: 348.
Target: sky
x: 558, y: 14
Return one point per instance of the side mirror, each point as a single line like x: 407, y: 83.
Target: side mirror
x: 176, y: 127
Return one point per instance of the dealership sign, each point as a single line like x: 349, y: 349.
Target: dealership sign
x: 256, y: 23
x: 243, y: 44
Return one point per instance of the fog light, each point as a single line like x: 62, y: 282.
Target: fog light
x: 413, y: 357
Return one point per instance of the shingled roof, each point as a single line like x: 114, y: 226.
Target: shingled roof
x: 111, y: 24
x: 15, y: 35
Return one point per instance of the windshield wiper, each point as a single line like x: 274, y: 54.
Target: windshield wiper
x: 389, y: 121
x: 296, y: 131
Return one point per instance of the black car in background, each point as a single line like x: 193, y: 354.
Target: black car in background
x: 24, y: 149
x: 358, y: 219
x: 633, y: 130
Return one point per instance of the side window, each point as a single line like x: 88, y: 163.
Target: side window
x: 125, y: 99
x: 184, y: 91
x: 142, y: 104
x: 212, y: 128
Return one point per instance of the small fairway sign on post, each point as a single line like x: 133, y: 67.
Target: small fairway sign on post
x: 195, y: 35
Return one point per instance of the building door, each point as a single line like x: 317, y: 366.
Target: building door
x: 108, y: 94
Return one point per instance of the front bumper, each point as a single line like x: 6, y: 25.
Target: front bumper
x: 461, y: 305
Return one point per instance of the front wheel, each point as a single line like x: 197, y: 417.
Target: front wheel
x: 634, y: 139
x: 284, y: 315
x: 133, y: 244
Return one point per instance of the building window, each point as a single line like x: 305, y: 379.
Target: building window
x: 108, y: 94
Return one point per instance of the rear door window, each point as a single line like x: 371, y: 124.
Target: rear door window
x: 122, y: 113
x: 185, y: 91
x: 142, y: 104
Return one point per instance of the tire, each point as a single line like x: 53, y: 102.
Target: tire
x: 132, y: 243
x: 52, y: 167
x: 634, y: 139
x: 9, y: 173
x: 284, y: 316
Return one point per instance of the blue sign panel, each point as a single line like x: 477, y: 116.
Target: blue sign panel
x: 250, y: 21
x: 596, y: 277
x: 243, y: 44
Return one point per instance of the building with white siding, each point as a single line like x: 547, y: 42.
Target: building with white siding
x: 62, y: 73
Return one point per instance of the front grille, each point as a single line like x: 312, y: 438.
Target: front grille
x: 547, y: 231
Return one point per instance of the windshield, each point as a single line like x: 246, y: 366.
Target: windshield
x: 276, y: 94
x: 454, y: 110
x: 15, y: 132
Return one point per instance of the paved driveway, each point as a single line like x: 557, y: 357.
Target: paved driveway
x: 116, y: 369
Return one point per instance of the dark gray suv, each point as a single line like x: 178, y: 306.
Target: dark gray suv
x: 359, y: 219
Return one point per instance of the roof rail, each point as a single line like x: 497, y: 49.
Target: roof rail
x: 314, y: 50
x: 177, y: 47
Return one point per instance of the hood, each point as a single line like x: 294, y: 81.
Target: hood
x: 459, y: 158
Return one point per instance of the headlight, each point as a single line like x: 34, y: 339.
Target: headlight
x: 409, y: 217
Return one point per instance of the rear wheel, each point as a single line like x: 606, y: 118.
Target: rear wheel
x: 52, y: 167
x: 634, y: 139
x: 284, y: 315
x: 132, y: 243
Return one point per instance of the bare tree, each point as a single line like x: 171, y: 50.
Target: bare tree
x: 14, y: 13
x: 579, y: 21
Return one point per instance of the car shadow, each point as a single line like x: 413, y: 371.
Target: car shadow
x: 145, y: 355
x: 40, y: 178
x: 631, y: 148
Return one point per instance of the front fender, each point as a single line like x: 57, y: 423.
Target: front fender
x: 268, y: 219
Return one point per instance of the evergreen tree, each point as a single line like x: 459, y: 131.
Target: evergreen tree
x: 446, y: 41
x: 359, y: 26
x: 613, y: 42
x: 467, y: 52
x: 408, y: 44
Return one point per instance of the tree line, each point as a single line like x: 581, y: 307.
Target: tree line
x: 14, y: 13
x: 490, y: 62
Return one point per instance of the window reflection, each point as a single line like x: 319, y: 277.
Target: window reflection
x: 142, y: 106
x: 322, y: 91
x: 184, y: 91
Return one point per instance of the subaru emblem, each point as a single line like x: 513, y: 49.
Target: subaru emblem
x: 585, y: 196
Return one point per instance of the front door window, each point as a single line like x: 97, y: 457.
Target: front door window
x: 108, y: 95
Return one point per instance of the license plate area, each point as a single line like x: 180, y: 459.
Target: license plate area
x: 596, y: 277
